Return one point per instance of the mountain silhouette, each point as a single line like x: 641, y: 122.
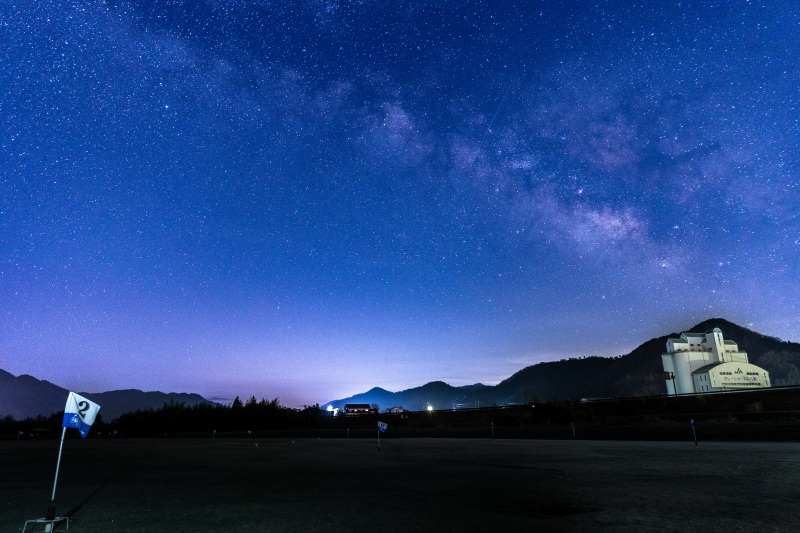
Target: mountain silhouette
x: 25, y: 396
x: 638, y: 373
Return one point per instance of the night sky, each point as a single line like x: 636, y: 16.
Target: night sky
x: 306, y: 199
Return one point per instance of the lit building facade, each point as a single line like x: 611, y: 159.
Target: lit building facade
x: 706, y: 362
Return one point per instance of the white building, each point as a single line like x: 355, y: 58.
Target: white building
x: 705, y: 362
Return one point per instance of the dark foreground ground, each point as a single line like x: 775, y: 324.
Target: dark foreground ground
x: 413, y: 485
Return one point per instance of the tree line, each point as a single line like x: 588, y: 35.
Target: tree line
x: 178, y: 418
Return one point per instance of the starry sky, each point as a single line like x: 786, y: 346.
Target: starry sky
x: 307, y: 198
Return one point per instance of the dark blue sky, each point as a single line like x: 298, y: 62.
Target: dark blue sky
x: 305, y: 199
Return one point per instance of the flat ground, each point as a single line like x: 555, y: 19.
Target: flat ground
x: 309, y: 485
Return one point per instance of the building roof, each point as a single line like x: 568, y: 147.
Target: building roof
x: 706, y: 368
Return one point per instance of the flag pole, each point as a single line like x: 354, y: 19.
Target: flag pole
x: 51, y: 506
x: 79, y: 413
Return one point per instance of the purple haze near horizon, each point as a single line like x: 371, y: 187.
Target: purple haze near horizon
x: 306, y: 199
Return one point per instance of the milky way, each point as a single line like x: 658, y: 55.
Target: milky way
x: 305, y: 199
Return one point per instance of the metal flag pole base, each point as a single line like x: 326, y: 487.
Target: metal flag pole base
x: 49, y: 523
x: 50, y: 519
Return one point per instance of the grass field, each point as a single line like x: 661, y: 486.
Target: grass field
x: 307, y: 485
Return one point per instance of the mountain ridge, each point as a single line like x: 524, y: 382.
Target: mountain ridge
x: 25, y: 396
x: 637, y: 373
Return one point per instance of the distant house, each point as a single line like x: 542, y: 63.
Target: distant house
x: 396, y: 410
x: 355, y: 409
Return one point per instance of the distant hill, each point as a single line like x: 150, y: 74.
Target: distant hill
x: 117, y: 402
x: 436, y: 393
x: 25, y: 396
x: 635, y: 374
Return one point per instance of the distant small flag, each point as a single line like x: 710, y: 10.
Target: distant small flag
x: 691, y: 423
x: 79, y: 413
x: 382, y: 427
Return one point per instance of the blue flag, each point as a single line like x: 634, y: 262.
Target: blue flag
x: 79, y: 413
x: 382, y: 427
